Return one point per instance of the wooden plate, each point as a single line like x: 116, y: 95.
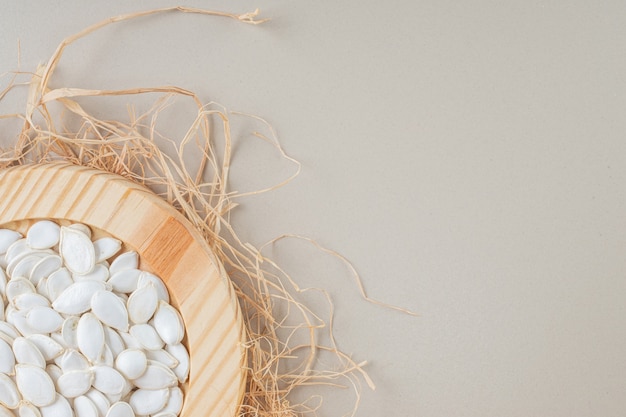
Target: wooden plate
x: 168, y: 246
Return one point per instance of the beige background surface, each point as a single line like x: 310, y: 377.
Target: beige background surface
x: 468, y: 157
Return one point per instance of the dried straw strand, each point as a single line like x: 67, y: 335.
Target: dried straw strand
x: 279, y: 362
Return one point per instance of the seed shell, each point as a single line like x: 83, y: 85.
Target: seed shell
x: 9, y: 395
x: 145, y: 402
x: 142, y: 303
x: 110, y: 310
x: 169, y: 324
x: 26, y: 353
x: 131, y: 363
x: 90, y: 336
x: 100, y: 401
x: 156, y: 376
x: 182, y: 356
x: 76, y: 299
x: 43, y: 235
x: 69, y: 330
x: 113, y: 341
x: 147, y: 336
x: 35, y: 385
x: 7, y: 238
x: 74, y: 383
x: 126, y: 260
x: 28, y: 410
x: 58, y: 282
x: 44, y: 319
x: 77, y: 251
x: 107, y: 380
x: 59, y: 408
x: 175, y: 402
x: 48, y: 347
x: 147, y: 277
x: 106, y: 247
x: 84, y: 407
x: 99, y: 273
x: 161, y: 355
x: 73, y: 360
x: 124, y: 281
x: 7, y: 358
x: 120, y: 409
x: 18, y: 286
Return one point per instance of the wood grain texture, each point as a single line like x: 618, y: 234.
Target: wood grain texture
x: 168, y: 246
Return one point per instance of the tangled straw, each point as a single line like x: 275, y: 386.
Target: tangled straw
x: 276, y: 322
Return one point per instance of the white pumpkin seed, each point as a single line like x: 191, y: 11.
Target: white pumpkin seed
x: 16, y: 248
x: 77, y: 251
x: 58, y: 337
x: 110, y: 310
x: 24, y: 267
x: 161, y: 355
x: 131, y: 363
x: 147, y: 336
x: 7, y: 238
x: 44, y: 268
x: 108, y: 380
x: 9, y: 395
x: 28, y: 410
x: 81, y: 228
x: 106, y: 357
x: 8, y: 330
x: 169, y: 324
x: 74, y: 383
x: 54, y: 371
x: 148, y: 401
x: 106, y: 247
x: 26, y: 353
x: 59, y: 408
x: 18, y: 319
x: 18, y: 286
x: 90, y: 336
x: 142, y: 303
x: 58, y: 282
x: 99, y: 273
x: 48, y: 347
x: 43, y: 235
x: 4, y: 337
x: 29, y: 300
x: 156, y: 376
x: 42, y: 288
x: 84, y: 407
x: 1, y: 308
x: 114, y: 341
x: 126, y: 260
x: 179, y: 351
x: 7, y: 359
x: 175, y: 402
x: 129, y: 341
x: 124, y: 281
x: 120, y: 409
x: 76, y: 299
x: 147, y: 277
x: 35, y: 385
x: 69, y: 330
x: 73, y: 360
x: 100, y: 401
x: 44, y: 319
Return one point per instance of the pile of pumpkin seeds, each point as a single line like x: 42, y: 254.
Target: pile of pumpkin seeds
x: 82, y: 337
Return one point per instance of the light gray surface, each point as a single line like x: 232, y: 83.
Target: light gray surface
x: 468, y: 157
